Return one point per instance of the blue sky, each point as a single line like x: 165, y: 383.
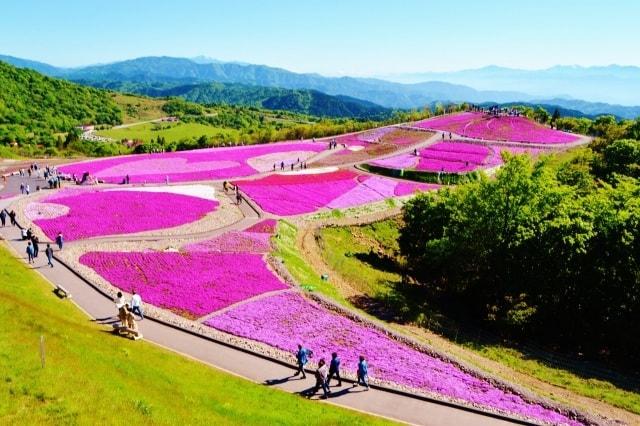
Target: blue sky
x: 332, y: 37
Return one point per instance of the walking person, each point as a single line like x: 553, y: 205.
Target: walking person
x: 334, y: 369
x: 49, y: 252
x: 59, y: 240
x: 136, y: 304
x: 27, y: 189
x: 302, y: 357
x: 363, y: 373
x: 29, y: 252
x: 321, y: 378
x: 22, y: 188
x: 36, y: 245
x: 12, y: 217
x: 3, y: 218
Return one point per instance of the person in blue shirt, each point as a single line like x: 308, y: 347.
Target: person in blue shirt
x: 30, y: 252
x: 334, y: 369
x: 363, y: 373
x: 302, y: 357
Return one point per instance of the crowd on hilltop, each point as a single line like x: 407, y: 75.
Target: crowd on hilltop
x: 497, y: 111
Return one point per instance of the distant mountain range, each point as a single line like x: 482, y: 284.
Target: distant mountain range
x: 179, y: 73
x: 612, y: 84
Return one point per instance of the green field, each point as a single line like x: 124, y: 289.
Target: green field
x: 169, y: 131
x: 94, y: 377
x: 354, y: 253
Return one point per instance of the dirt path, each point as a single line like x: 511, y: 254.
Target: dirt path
x: 307, y: 244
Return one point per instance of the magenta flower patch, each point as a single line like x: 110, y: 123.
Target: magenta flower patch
x: 184, y: 166
x: 191, y: 284
x: 98, y: 213
x: 293, y: 194
x: 285, y: 320
x: 502, y: 128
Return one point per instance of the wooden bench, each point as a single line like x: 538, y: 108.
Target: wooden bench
x: 62, y: 292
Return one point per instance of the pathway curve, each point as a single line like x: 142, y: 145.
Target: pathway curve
x: 259, y: 369
x: 251, y: 366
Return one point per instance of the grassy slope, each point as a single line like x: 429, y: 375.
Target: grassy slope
x: 338, y: 242
x: 138, y: 108
x: 93, y: 377
x: 170, y: 131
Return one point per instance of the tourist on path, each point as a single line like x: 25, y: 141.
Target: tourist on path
x: 119, y: 301
x: 27, y: 189
x: 36, y: 245
x: 29, y: 252
x: 3, y: 218
x: 302, y: 357
x: 49, y: 252
x: 59, y: 240
x: 322, y: 378
x: 136, y: 304
x: 12, y: 216
x: 363, y: 373
x: 334, y: 369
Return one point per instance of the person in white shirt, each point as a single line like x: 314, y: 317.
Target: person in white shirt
x: 119, y: 301
x: 136, y: 304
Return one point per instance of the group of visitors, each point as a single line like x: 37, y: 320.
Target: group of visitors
x: 326, y: 372
x: 333, y: 144
x: 301, y: 164
x: 226, y: 186
x: 3, y: 217
x: 126, y: 310
x: 33, y: 246
x: 450, y: 136
x: 25, y: 189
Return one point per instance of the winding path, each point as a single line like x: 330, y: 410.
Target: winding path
x: 99, y: 308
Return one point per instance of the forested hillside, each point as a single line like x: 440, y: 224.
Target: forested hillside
x: 35, y: 106
x: 310, y: 102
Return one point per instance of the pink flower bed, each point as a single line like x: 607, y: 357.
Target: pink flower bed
x: 398, y: 162
x: 232, y: 242
x: 96, y: 213
x: 453, y: 157
x: 284, y: 320
x: 266, y: 226
x: 287, y: 195
x: 203, y: 164
x: 191, y: 284
x: 503, y: 128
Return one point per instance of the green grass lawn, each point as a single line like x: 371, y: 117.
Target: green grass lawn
x: 284, y: 242
x: 359, y: 254
x: 347, y: 251
x: 93, y: 377
x: 170, y: 131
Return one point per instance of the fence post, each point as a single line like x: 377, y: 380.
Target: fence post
x: 42, y: 353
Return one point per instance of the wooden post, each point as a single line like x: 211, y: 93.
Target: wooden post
x: 42, y: 354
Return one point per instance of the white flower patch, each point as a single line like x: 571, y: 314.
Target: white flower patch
x: 200, y: 191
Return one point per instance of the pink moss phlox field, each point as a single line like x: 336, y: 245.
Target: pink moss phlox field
x: 203, y: 164
x: 265, y: 226
x: 401, y: 161
x: 452, y: 157
x: 297, y: 194
x: 191, y: 284
x: 285, y: 320
x: 502, y: 128
x: 97, y: 213
x: 234, y: 242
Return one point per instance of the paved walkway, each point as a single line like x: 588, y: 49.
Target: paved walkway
x: 258, y: 369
